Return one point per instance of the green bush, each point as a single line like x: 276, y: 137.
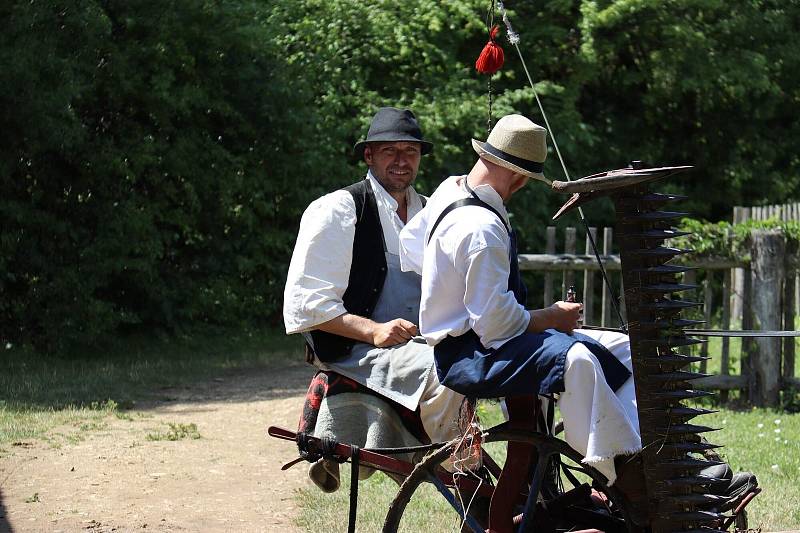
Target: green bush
x: 156, y: 156
x: 147, y: 154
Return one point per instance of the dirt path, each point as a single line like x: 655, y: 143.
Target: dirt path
x: 115, y: 479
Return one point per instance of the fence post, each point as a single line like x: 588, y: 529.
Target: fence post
x: 789, y: 306
x: 569, y: 248
x: 550, y: 248
x: 707, y: 302
x: 740, y: 214
x: 605, y: 310
x: 690, y: 278
x: 747, y: 353
x: 588, y: 283
x: 767, y: 253
x: 726, y: 325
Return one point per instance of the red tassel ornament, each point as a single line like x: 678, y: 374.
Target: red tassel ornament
x: 491, y: 58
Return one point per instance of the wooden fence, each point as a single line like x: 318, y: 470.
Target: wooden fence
x: 766, y: 365
x: 785, y: 212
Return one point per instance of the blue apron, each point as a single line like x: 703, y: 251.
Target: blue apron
x: 529, y: 363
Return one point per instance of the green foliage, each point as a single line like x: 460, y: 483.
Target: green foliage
x: 156, y: 156
x: 701, y: 82
x: 725, y: 240
x: 146, y: 151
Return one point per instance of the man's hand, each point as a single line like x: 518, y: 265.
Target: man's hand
x: 380, y: 334
x: 396, y: 331
x: 561, y: 316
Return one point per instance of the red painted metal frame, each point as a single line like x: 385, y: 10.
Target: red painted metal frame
x: 381, y: 462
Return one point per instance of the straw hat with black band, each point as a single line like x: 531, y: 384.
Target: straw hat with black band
x: 518, y: 144
x: 393, y: 125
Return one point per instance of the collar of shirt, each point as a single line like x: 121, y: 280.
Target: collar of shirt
x: 387, y: 211
x: 487, y: 193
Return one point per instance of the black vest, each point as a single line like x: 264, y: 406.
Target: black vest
x: 367, y: 272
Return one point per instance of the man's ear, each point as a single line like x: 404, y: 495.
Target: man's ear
x: 368, y: 155
x: 518, y: 181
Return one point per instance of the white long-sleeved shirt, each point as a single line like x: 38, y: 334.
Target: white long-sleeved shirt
x: 320, y: 266
x: 464, y: 268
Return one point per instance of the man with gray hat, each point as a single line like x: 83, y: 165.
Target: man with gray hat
x: 486, y: 343
x: 345, y: 291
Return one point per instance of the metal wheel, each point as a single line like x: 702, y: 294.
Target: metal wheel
x: 575, y: 515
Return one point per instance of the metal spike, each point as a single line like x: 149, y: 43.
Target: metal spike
x: 696, y: 499
x: 659, y: 252
x: 688, y: 464
x: 684, y: 429
x: 673, y: 341
x: 671, y: 323
x: 657, y: 234
x: 691, y: 412
x: 662, y: 288
x: 678, y: 376
x: 664, y: 269
x: 674, y: 360
x: 681, y: 394
x: 652, y: 200
x: 670, y: 304
x: 689, y: 447
x: 689, y: 481
x: 654, y: 215
x: 694, y: 516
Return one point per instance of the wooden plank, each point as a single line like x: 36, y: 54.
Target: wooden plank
x: 726, y: 325
x: 562, y: 262
x: 550, y: 248
x: 720, y: 382
x: 559, y: 262
x: 605, y: 309
x: 568, y: 278
x: 588, y: 283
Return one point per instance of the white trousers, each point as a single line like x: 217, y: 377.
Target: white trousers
x: 599, y: 423
x: 439, y: 408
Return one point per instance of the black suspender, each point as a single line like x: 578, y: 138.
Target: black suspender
x: 472, y: 200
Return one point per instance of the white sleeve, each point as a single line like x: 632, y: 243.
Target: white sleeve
x: 495, y: 315
x: 320, y: 265
x: 412, y: 242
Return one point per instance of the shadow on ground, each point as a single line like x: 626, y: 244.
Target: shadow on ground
x: 5, y: 527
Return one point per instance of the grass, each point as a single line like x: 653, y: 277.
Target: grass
x: 766, y: 443
x: 175, y: 432
x: 39, y: 393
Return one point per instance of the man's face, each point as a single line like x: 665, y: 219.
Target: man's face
x: 394, y: 164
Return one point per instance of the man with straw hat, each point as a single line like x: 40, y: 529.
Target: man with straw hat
x: 486, y: 343
x: 345, y: 292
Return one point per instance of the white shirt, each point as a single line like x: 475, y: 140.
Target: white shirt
x: 320, y: 265
x: 464, y: 268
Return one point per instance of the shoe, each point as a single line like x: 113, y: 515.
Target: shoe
x: 733, y: 487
